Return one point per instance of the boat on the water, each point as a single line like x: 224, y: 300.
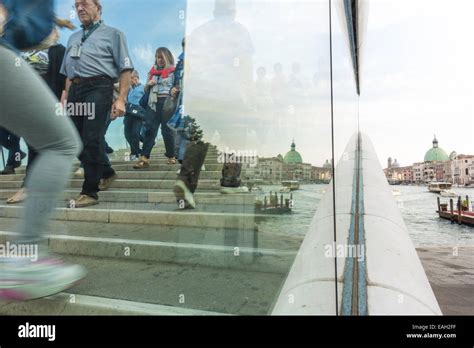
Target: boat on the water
x: 285, y: 190
x: 256, y: 189
x: 437, y: 187
x: 291, y: 184
x: 448, y: 193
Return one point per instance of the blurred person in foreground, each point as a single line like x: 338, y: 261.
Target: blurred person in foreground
x: 46, y: 63
x: 36, y: 274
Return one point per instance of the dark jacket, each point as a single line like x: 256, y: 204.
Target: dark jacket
x: 53, y: 78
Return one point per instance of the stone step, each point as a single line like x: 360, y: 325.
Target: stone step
x: 187, y: 235
x: 161, y: 146
x: 162, y: 149
x: 160, y: 154
x: 124, y: 183
x: 191, y: 287
x: 128, y: 166
x: 238, y: 255
x: 159, y: 196
x: 204, y: 216
x: 212, y: 246
x: 159, y: 161
x: 135, y: 175
x: 73, y: 304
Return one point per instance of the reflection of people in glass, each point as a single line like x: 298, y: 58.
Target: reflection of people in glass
x: 298, y: 86
x: 220, y: 57
x: 279, y: 86
x: 295, y: 82
x: 219, y: 85
x: 263, y: 90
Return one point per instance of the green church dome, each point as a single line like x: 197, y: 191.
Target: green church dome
x: 436, y: 154
x: 293, y: 156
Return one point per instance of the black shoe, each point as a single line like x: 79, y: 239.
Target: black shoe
x: 9, y: 170
x: 192, y: 163
x: 109, y: 150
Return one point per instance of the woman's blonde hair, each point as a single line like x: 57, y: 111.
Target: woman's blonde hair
x: 167, y: 55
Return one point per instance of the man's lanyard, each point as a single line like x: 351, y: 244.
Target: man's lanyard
x: 85, y: 35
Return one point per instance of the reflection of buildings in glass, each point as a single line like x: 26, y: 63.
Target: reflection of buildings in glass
x: 290, y: 167
x: 219, y: 76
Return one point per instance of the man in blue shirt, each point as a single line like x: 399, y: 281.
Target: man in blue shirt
x: 133, y: 121
x: 96, y: 57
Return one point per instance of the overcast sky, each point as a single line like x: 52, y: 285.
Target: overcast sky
x: 418, y: 77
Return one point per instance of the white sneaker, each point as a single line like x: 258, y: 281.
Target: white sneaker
x: 182, y: 192
x: 233, y: 190
x: 134, y: 158
x: 21, y: 281
x: 79, y: 173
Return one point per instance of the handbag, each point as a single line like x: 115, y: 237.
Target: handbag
x: 135, y: 111
x: 144, y: 100
x: 169, y: 107
x: 176, y: 122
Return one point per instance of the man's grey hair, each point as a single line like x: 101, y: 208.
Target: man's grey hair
x: 98, y: 4
x: 135, y: 73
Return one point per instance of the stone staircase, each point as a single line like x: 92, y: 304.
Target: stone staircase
x: 146, y: 256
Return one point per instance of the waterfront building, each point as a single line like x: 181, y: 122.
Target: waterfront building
x: 436, y: 154
x: 289, y: 167
x: 436, y: 166
x: 395, y: 173
x: 462, y: 167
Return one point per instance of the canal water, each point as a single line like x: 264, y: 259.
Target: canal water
x: 417, y: 205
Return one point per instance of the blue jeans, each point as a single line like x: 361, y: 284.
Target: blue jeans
x: 153, y: 121
x: 132, y: 127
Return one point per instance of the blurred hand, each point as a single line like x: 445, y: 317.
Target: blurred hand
x: 64, y: 97
x: 118, y: 109
x: 151, y: 83
x: 3, y: 17
x: 174, y: 92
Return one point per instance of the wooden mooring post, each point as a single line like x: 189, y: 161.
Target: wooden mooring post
x: 451, y: 207
x: 459, y: 210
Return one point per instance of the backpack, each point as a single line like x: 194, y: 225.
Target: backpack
x: 29, y: 22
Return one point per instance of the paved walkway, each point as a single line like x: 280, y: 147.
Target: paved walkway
x: 451, y: 275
